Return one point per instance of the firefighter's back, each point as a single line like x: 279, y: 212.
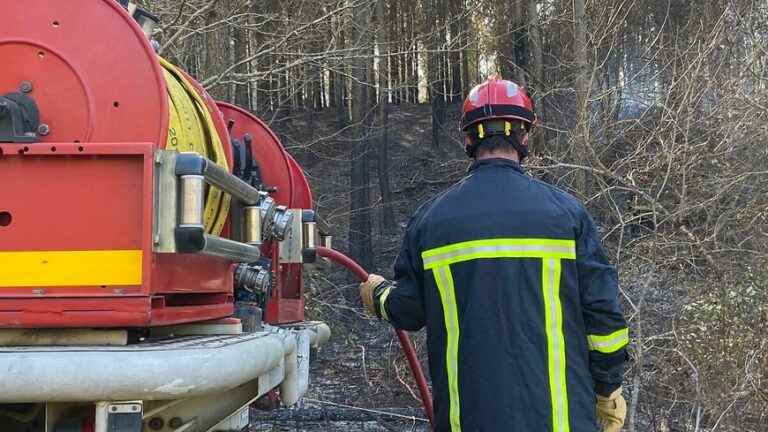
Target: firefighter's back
x: 499, y: 248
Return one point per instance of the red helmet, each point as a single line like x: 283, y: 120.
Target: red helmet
x: 497, y: 99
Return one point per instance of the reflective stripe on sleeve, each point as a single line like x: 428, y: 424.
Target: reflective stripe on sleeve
x: 382, y: 303
x: 609, y: 343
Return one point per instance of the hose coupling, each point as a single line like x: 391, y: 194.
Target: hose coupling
x: 252, y: 278
x: 276, y: 220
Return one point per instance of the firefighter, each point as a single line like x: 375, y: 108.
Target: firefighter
x: 507, y: 273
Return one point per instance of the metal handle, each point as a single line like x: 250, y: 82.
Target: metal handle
x: 215, y: 175
x: 192, y: 200
x: 180, y: 203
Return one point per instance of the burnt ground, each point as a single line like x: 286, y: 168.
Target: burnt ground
x: 361, y: 372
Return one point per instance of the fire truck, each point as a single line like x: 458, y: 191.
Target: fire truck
x: 152, y: 240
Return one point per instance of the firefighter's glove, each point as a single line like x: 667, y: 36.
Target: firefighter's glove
x: 611, y: 411
x: 370, y: 289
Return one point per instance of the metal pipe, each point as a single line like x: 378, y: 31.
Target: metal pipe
x: 192, y: 200
x: 230, y: 249
x: 222, y: 179
x: 62, y: 337
x: 252, y: 233
x: 319, y: 333
x: 405, y: 341
x: 310, y: 235
x: 290, y: 389
x: 326, y: 241
x: 169, y: 370
x: 303, y: 342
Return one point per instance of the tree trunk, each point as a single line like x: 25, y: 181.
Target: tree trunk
x: 435, y: 82
x: 536, y: 81
x: 316, y: 77
x: 333, y: 77
x: 242, y: 43
x: 321, y: 88
x: 582, y: 93
x: 521, y: 42
x: 513, y: 50
x: 332, y: 83
x: 505, y: 43
x: 466, y: 80
x: 387, y: 214
x: 360, y: 202
x: 413, y: 64
x: 580, y: 54
x: 457, y: 10
x: 410, y: 50
x: 212, y: 56
x: 394, y: 60
x: 340, y: 90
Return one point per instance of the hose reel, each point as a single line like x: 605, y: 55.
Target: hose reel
x: 191, y: 129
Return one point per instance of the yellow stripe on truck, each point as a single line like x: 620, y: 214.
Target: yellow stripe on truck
x: 70, y: 268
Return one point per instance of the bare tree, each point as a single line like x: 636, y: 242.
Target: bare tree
x: 360, y: 224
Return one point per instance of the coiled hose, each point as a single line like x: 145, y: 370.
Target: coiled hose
x: 405, y: 341
x: 191, y: 129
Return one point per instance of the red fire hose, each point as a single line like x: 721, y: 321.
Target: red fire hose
x: 405, y: 341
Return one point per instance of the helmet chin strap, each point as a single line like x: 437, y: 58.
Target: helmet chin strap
x: 470, y: 147
x: 469, y: 150
x: 522, y: 149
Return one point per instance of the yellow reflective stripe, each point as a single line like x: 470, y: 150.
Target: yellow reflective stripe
x: 444, y: 280
x: 501, y: 242
x: 553, y: 320
x: 70, y: 268
x: 382, y: 301
x: 551, y: 252
x: 609, y: 343
x: 499, y: 248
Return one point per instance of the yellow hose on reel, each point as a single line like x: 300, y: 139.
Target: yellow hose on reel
x: 191, y: 129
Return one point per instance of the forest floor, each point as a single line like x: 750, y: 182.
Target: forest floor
x: 362, y: 367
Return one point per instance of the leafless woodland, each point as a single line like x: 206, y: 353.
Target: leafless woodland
x: 654, y: 112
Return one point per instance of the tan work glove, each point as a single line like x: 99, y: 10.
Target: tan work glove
x: 611, y: 411
x: 366, y: 292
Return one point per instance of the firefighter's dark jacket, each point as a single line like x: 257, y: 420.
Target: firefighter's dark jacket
x: 520, y: 303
